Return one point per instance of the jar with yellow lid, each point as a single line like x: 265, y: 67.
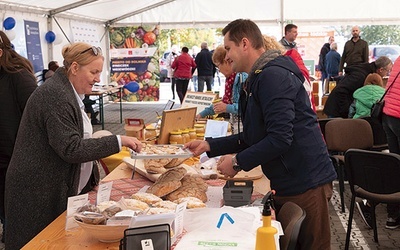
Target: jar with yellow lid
x: 200, y: 128
x: 185, y: 135
x: 175, y: 137
x: 192, y: 134
x: 200, y: 136
x: 216, y: 101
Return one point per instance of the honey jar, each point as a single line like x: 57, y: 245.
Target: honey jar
x: 192, y: 134
x: 175, y: 137
x: 199, y: 128
x: 200, y: 136
x: 185, y: 135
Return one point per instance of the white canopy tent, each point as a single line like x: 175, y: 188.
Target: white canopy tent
x: 206, y: 13
x: 273, y: 15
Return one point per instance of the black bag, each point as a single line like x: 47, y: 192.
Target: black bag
x: 377, y: 110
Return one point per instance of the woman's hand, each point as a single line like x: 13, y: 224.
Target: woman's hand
x: 225, y: 167
x: 131, y: 142
x: 197, y: 147
x: 220, y: 107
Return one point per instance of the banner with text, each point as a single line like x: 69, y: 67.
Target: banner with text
x: 134, y: 62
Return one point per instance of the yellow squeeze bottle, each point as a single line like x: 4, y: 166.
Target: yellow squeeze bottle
x: 265, y: 235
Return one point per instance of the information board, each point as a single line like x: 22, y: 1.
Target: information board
x: 199, y: 100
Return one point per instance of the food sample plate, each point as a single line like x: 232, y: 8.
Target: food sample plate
x: 161, y: 151
x: 138, y: 166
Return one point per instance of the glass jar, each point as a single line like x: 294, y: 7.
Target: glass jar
x: 199, y: 128
x: 185, y: 136
x: 200, y: 136
x: 192, y: 134
x: 175, y: 137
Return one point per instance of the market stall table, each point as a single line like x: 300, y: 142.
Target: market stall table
x: 107, y: 91
x: 54, y: 235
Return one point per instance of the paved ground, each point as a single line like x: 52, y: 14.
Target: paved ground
x: 361, y: 237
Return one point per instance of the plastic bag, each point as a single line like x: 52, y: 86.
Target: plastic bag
x: 219, y: 228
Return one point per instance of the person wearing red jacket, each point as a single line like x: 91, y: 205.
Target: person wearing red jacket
x: 183, y: 65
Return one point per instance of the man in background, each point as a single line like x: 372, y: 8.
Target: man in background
x: 322, y: 59
x: 332, y: 61
x: 288, y: 41
x: 355, y: 50
x: 205, y: 68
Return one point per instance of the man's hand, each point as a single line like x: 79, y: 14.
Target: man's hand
x: 225, y: 167
x: 197, y: 147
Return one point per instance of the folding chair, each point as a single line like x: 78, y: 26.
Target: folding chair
x: 341, y: 135
x: 373, y: 176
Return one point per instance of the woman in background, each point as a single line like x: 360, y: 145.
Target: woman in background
x: 183, y: 67
x: 233, y: 85
x: 53, y: 153
x: 17, y: 82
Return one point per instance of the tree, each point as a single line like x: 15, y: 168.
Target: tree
x: 374, y: 34
x: 381, y: 34
x: 187, y: 37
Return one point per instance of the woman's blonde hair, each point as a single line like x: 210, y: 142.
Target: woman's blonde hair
x: 271, y: 43
x: 219, y: 55
x: 81, y: 53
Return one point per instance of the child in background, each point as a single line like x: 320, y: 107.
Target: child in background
x: 366, y: 96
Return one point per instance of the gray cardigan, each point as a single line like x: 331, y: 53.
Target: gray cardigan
x: 45, y: 166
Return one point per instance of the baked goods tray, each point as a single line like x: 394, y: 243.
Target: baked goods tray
x: 162, y: 151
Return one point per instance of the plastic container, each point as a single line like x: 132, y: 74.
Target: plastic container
x: 265, y: 235
x: 237, y: 193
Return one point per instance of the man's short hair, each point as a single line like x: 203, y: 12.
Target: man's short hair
x: 289, y: 27
x: 240, y: 28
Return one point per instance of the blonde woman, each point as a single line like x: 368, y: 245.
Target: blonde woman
x: 53, y: 153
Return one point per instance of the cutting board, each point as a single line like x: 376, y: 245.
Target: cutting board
x: 254, y: 174
x: 139, y: 168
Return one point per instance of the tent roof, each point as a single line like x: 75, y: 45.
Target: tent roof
x: 206, y: 13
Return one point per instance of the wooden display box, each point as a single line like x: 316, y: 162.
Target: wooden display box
x: 134, y: 127
x: 175, y: 119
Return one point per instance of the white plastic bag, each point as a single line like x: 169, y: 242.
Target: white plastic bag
x: 218, y: 228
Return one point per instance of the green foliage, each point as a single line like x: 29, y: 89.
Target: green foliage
x: 381, y: 34
x: 187, y: 37
x: 374, y: 34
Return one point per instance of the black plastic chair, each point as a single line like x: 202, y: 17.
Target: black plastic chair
x: 340, y: 136
x: 373, y: 176
x: 322, y: 123
x: 380, y: 139
x: 291, y: 217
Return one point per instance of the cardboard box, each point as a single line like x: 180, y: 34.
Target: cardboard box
x: 134, y: 127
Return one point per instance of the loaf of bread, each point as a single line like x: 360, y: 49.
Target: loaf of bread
x: 167, y: 182
x: 146, y: 197
x: 192, y: 202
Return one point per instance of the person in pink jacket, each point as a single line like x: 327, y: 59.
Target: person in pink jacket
x: 184, y: 66
x: 391, y: 125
